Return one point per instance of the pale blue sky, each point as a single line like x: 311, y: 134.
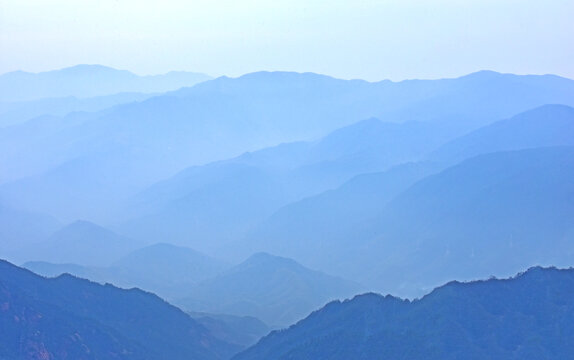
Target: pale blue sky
x: 385, y: 39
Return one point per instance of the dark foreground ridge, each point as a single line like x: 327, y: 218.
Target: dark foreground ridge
x: 71, y: 318
x: 530, y: 316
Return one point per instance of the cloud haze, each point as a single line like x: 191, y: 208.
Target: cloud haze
x: 359, y: 39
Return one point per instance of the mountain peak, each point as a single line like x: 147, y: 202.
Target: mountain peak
x: 83, y: 71
x: 282, y: 75
x: 483, y: 74
x: 88, y: 68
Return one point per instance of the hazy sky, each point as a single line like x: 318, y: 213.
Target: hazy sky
x: 368, y: 39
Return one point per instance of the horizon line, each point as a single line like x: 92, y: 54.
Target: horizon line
x: 281, y: 71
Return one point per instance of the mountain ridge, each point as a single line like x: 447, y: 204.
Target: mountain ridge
x: 78, y: 81
x: 449, y: 323
x: 69, y: 318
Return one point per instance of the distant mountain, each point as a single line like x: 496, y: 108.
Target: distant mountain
x: 462, y: 99
x: 71, y: 318
x: 192, y: 206
x: 48, y: 269
x: 17, y: 139
x: 276, y: 290
x: 84, y: 243
x: 240, y: 330
x: 526, y: 317
x: 549, y: 125
x: 88, y: 81
x: 114, y: 154
x: 12, y: 113
x: 492, y: 214
x: 166, y: 270
x: 325, y: 231
x: 205, y: 207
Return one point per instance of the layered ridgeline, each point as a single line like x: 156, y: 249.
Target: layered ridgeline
x: 166, y: 270
x: 324, y: 229
x: 71, y: 318
x: 244, y: 191
x: 529, y: 316
x: 492, y: 214
x: 93, y: 162
x: 495, y: 213
x: 277, y: 290
x: 12, y: 113
x: 82, y: 88
x: 355, y: 230
x: 241, y: 192
x: 337, y: 231
x: 84, y: 81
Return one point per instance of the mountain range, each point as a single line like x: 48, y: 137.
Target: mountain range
x: 250, y: 202
x: 460, y: 222
x: 327, y: 225
x: 241, y: 192
x: 258, y: 193
x: 346, y: 230
x: 492, y: 214
x: 104, y: 158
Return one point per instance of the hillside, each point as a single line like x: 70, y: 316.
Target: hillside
x: 549, y: 125
x: 525, y: 317
x: 71, y: 318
